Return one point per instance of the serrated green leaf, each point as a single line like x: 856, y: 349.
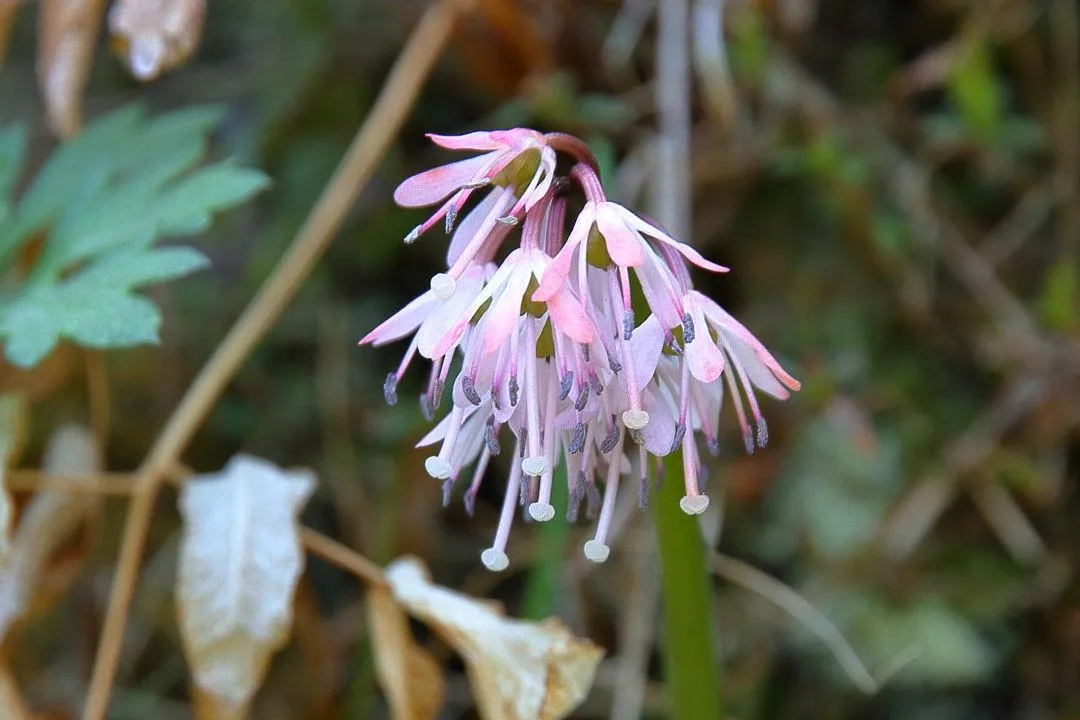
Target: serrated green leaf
x: 101, y: 202
x: 79, y: 168
x: 188, y: 205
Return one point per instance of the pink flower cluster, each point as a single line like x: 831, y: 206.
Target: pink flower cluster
x: 589, y: 347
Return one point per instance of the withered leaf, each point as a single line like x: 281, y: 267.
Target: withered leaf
x: 153, y: 36
x: 49, y: 520
x: 408, y: 674
x: 518, y: 670
x: 240, y: 559
x: 67, y: 35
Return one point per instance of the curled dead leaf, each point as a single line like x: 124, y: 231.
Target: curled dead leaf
x: 240, y: 559
x: 153, y: 36
x: 11, y: 438
x: 408, y: 674
x: 67, y: 35
x: 518, y: 670
x: 47, y: 523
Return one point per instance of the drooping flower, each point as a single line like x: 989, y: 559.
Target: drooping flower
x: 557, y: 350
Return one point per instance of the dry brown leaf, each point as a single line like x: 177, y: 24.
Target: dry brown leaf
x: 153, y: 36
x: 240, y: 559
x: 48, y: 521
x: 518, y: 670
x: 408, y: 674
x: 67, y: 35
x: 11, y: 437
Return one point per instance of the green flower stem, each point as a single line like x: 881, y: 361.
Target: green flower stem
x: 690, y: 664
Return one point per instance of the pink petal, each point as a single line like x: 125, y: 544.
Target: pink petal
x: 661, y: 300
x: 661, y: 428
x: 481, y: 140
x: 403, y: 322
x: 559, y: 268
x: 505, y: 309
x: 623, y: 244
x: 570, y: 318
x: 742, y: 341
x: 705, y: 359
x: 432, y: 338
x: 682, y: 248
x: 431, y: 186
x: 646, y: 345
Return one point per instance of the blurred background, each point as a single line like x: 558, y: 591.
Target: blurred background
x: 894, y: 185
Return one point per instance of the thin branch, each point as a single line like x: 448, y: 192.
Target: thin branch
x: 32, y: 481
x: 345, y: 558
x: 393, y: 104
x: 798, y: 607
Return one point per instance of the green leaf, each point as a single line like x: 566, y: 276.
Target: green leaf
x: 975, y: 90
x: 101, y: 202
x: 1060, y: 303
x: 188, y: 205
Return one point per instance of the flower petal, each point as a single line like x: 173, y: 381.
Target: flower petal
x: 403, y: 322
x: 623, y: 244
x: 558, y: 269
x: 570, y: 318
x: 481, y: 140
x: 704, y: 358
x: 646, y: 345
x: 654, y: 232
x: 431, y: 186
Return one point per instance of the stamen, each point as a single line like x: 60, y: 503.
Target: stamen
x: 577, y: 440
x: 612, y: 437
x: 468, y: 388
x: 628, y: 324
x: 688, y: 328
x: 491, y: 437
x: 566, y: 385
x: 451, y: 218
x: 680, y: 431
x: 425, y: 407
x: 437, y: 467
x: 592, y: 500
x: 390, y: 389
x: 693, y: 503
x: 509, y: 220
x: 762, y: 432
x: 413, y: 235
x: 635, y: 419
x: 514, y: 389
x: 447, y: 491
x: 582, y: 398
x: 577, y: 495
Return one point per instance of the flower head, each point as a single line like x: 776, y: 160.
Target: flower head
x: 558, y: 353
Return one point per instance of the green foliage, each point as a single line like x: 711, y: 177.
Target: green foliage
x: 98, y: 206
x: 975, y: 90
x: 1061, y: 296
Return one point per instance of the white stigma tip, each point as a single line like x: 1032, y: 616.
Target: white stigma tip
x: 437, y: 467
x: 443, y: 286
x: 635, y: 419
x: 694, y: 504
x: 534, y: 466
x: 541, y: 512
x: 494, y: 560
x: 597, y: 551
